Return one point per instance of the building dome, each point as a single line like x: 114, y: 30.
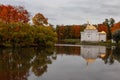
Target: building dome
x: 89, y: 57
x: 102, y: 32
x: 102, y: 55
x: 90, y: 27
x: 90, y: 60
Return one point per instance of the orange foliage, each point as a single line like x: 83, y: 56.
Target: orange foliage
x: 115, y: 27
x: 10, y: 13
x: 69, y: 31
x: 76, y: 29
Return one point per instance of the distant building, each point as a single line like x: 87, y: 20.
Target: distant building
x: 91, y: 34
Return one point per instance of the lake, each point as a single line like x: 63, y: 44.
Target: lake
x: 64, y: 62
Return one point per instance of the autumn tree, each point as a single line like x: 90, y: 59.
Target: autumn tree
x: 116, y: 27
x: 39, y: 19
x: 77, y: 31
x: 60, y: 31
x: 109, y: 23
x: 68, y: 31
x: 9, y: 13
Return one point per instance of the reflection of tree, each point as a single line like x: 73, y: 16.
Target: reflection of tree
x: 16, y: 63
x: 116, y: 53
x: 69, y: 50
x: 43, y: 58
x: 112, y: 55
x: 109, y: 56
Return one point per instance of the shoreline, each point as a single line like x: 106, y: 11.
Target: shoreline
x: 78, y: 42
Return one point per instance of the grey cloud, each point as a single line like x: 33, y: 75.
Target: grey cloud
x: 71, y: 11
x: 110, y: 9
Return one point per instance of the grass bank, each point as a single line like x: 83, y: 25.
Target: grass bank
x: 77, y: 41
x: 69, y: 41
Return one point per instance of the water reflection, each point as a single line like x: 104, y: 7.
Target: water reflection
x: 116, y: 53
x: 68, y: 50
x: 91, y: 53
x: 105, y: 63
x: 23, y: 63
x: 16, y: 63
x: 43, y: 58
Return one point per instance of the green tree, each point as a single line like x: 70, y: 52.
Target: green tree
x: 109, y: 23
x: 116, y: 36
x: 39, y: 19
x: 45, y: 36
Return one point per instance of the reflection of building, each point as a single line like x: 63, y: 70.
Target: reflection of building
x: 91, y: 34
x: 91, y: 53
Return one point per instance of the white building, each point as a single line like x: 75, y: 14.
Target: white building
x: 91, y: 34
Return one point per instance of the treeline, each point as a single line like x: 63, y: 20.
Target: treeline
x: 16, y: 31
x: 73, y: 31
x: 69, y: 31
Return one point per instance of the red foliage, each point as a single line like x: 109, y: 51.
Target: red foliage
x: 102, y: 27
x: 77, y: 32
x: 10, y: 13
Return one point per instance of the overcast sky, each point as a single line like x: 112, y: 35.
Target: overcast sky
x: 71, y: 11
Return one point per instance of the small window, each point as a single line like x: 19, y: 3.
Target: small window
x: 102, y: 41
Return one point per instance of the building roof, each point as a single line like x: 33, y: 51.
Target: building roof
x: 90, y: 27
x: 102, y: 55
x: 102, y: 32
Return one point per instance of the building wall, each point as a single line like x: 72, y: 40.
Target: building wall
x: 92, y: 35
x: 102, y: 37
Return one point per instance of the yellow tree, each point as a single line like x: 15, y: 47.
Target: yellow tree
x: 39, y: 19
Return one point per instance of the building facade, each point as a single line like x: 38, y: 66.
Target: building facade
x: 91, y: 34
